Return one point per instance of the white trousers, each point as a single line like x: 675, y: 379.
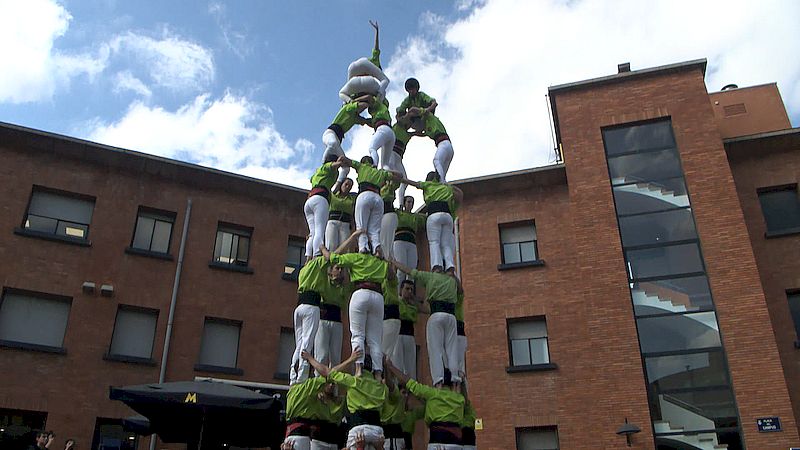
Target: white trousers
x: 328, y: 344
x: 336, y: 232
x: 320, y: 445
x: 395, y: 164
x: 371, y: 434
x: 306, y: 323
x: 366, y: 325
x: 316, y: 210
x: 369, y: 212
x: 444, y: 447
x: 394, y: 444
x: 441, y: 240
x: 382, y: 139
x: 363, y: 66
x: 442, y: 158
x: 299, y: 442
x: 334, y: 147
x: 361, y: 85
x: 469, y: 447
x: 406, y: 254
x: 405, y: 353
x: 442, y: 346
x: 388, y: 227
x: 462, y: 354
x: 391, y: 331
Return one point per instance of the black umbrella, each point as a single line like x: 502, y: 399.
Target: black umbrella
x: 205, y: 412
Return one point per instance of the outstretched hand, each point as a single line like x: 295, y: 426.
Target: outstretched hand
x: 374, y: 24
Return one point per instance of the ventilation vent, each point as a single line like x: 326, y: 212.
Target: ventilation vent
x: 734, y: 110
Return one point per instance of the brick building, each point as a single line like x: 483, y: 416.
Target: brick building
x: 650, y: 278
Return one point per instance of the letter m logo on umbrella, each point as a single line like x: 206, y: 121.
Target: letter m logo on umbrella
x: 191, y: 397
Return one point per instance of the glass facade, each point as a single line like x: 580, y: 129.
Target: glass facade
x: 688, y: 382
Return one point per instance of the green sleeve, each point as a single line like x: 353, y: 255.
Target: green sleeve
x: 423, y: 277
x: 344, y: 260
x: 426, y: 99
x: 376, y: 57
x: 404, y: 105
x: 355, y: 164
x: 341, y: 378
x: 417, y: 413
x: 421, y: 221
x: 420, y: 390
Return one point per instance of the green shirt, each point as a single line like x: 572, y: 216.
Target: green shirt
x: 441, y: 405
x: 379, y: 111
x: 336, y: 295
x: 314, y: 276
x: 333, y: 412
x: 459, y: 307
x: 345, y: 204
x: 421, y: 100
x: 388, y: 191
x: 376, y: 57
x: 302, y: 402
x: 411, y: 221
x: 390, y: 296
x: 371, y: 175
x: 401, y: 135
x: 393, y: 408
x: 410, y: 419
x: 325, y: 176
x: 469, y: 416
x: 408, y: 311
x: 347, y: 116
x: 364, y: 392
x: 363, y: 267
x: 433, y: 191
x: 438, y: 286
x: 433, y: 126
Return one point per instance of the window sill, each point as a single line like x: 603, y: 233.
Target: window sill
x: 534, y: 263
x: 218, y: 369
x: 532, y: 368
x: 152, y: 254
x: 782, y: 233
x: 130, y: 359
x: 52, y: 237
x: 231, y: 267
x: 33, y: 347
x: 280, y: 376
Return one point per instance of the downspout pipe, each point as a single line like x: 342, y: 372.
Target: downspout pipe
x: 458, y: 248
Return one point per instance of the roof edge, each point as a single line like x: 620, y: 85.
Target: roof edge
x: 765, y: 135
x: 512, y: 173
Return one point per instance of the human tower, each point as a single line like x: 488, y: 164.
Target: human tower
x: 372, y: 271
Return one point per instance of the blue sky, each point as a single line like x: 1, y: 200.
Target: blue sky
x: 249, y: 86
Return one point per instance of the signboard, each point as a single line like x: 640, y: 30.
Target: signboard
x: 478, y: 424
x: 768, y: 424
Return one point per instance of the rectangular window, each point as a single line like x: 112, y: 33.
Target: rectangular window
x: 672, y: 295
x: 794, y: 308
x: 295, y: 252
x: 650, y: 196
x: 153, y: 230
x: 781, y: 208
x: 527, y: 340
x: 664, y: 261
x: 678, y: 332
x: 537, y: 438
x: 657, y: 228
x: 34, y: 320
x: 59, y: 214
x: 286, y: 346
x: 519, y: 243
x: 232, y: 245
x: 17, y: 428
x: 639, y: 138
x: 109, y: 435
x: 134, y: 332
x: 219, y: 347
x: 640, y: 167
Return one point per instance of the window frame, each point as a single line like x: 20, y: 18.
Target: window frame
x: 520, y: 430
x: 789, y: 294
x: 129, y: 358
x: 772, y: 189
x: 512, y: 368
x: 240, y: 231
x: 158, y: 215
x: 537, y: 261
x: 278, y: 375
x: 201, y: 367
x: 22, y: 230
x: 31, y: 346
x: 301, y: 245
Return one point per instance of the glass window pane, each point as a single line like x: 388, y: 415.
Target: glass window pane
x: 539, y: 351
x: 657, y: 228
x: 43, y: 224
x: 520, y: 352
x: 243, y: 250
x: 70, y: 229
x: 727, y: 440
x: 696, y: 410
x: 33, y: 320
x: 678, y: 332
x: 675, y: 295
x: 528, y: 329
x: 659, y: 261
x: 294, y: 253
x: 639, y: 137
x: 522, y: 233
x: 645, y: 166
x: 161, y: 236
x: 533, y: 439
x: 527, y: 251
x: 511, y: 253
x: 134, y: 332
x: 224, y: 241
x: 285, y: 351
x: 794, y: 308
x: 693, y: 370
x: 781, y: 209
x: 61, y: 207
x: 220, y: 344
x: 144, y: 231
x: 651, y: 196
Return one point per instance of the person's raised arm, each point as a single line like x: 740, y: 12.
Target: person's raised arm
x: 377, y: 33
x: 353, y: 357
x: 403, y: 268
x: 344, y: 245
x: 401, y: 377
x: 321, y: 368
x: 416, y: 184
x: 432, y: 108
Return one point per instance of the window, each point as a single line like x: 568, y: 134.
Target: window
x: 537, y: 439
x: 219, y: 348
x: 17, y: 428
x: 134, y: 333
x: 153, y: 230
x: 109, y: 435
x: 519, y: 243
x: 294, y: 257
x: 794, y: 308
x: 61, y: 214
x: 527, y: 341
x: 232, y: 248
x: 781, y: 209
x: 285, y: 352
x: 33, y: 320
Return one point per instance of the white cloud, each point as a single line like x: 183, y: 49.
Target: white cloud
x: 125, y: 81
x: 230, y: 133
x: 236, y: 41
x: 490, y: 69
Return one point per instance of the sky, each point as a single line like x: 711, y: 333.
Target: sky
x: 249, y: 86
